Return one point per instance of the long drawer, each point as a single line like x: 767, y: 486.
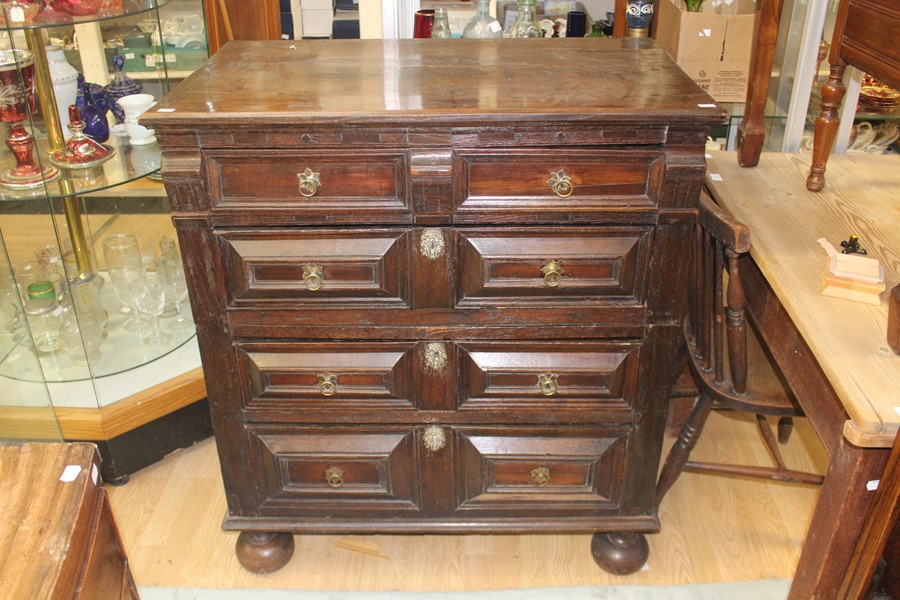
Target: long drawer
x: 455, y: 472
x: 457, y: 381
x: 559, y: 184
x: 407, y: 269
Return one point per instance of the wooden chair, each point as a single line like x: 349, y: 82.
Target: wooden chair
x: 726, y: 358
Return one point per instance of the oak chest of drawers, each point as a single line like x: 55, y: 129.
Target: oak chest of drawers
x: 437, y: 284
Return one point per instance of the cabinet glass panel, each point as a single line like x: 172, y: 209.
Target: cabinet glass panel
x: 26, y: 412
x: 93, y: 263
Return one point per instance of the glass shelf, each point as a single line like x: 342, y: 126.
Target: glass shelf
x: 129, y: 7
x: 129, y: 163
x: 120, y: 352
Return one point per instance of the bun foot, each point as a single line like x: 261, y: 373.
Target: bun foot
x: 261, y: 552
x: 620, y: 553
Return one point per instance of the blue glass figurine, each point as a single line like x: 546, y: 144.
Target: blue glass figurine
x: 96, y: 126
x: 121, y: 85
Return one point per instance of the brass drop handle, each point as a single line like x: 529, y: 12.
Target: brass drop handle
x: 309, y: 182
x: 313, y: 277
x: 547, y: 383
x: 561, y: 184
x: 334, y: 476
x: 553, y: 273
x: 540, y: 476
x: 327, y: 383
x: 434, y: 438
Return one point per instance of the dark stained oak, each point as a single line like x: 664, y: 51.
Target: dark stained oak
x: 433, y: 293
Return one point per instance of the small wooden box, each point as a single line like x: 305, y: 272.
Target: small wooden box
x: 851, y: 276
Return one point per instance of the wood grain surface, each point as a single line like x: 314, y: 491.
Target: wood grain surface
x: 45, y: 523
x: 847, y: 338
x: 391, y: 81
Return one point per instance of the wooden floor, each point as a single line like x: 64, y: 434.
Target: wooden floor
x: 714, y: 529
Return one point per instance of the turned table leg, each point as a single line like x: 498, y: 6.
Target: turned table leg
x: 620, y: 553
x: 264, y: 552
x: 826, y: 126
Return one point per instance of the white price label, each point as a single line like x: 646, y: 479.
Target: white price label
x: 495, y: 26
x: 70, y: 473
x: 715, y: 177
x: 17, y: 14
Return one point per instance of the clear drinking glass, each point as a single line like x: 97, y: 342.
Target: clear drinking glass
x: 150, y: 300
x: 171, y: 271
x: 125, y: 267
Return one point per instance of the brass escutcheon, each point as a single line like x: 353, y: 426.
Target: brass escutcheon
x: 547, y: 383
x: 434, y: 438
x: 309, y: 182
x: 553, y: 273
x: 313, y: 277
x: 435, y: 356
x: 334, y: 476
x: 431, y: 245
x: 561, y: 184
x: 327, y: 383
x: 541, y: 476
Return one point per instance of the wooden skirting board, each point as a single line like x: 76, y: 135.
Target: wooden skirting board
x: 104, y: 423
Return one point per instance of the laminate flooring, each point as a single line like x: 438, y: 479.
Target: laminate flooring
x: 714, y: 529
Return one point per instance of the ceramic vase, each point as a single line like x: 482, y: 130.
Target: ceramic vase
x: 65, y: 84
x: 638, y: 15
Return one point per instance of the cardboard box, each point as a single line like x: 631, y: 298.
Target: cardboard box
x: 712, y: 46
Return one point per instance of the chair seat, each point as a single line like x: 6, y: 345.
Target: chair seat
x: 766, y: 392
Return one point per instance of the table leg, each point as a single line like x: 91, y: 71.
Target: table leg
x: 752, y: 130
x: 826, y: 126
x: 840, y: 514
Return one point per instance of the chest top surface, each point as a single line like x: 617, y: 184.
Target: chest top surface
x: 420, y: 82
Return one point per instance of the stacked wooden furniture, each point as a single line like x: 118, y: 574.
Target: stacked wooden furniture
x: 58, y: 540
x: 865, y: 36
x: 434, y: 292
x: 833, y: 353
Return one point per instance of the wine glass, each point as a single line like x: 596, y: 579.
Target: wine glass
x: 150, y: 298
x: 171, y: 270
x: 125, y: 266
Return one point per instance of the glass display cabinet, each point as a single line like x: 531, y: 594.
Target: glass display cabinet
x: 801, y: 68
x: 96, y: 321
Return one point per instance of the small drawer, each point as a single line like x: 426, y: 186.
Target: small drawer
x: 327, y: 378
x: 336, y: 472
x: 549, y: 472
x: 554, y: 185
x: 313, y: 187
x: 311, y: 267
x: 552, y: 265
x: 549, y: 376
